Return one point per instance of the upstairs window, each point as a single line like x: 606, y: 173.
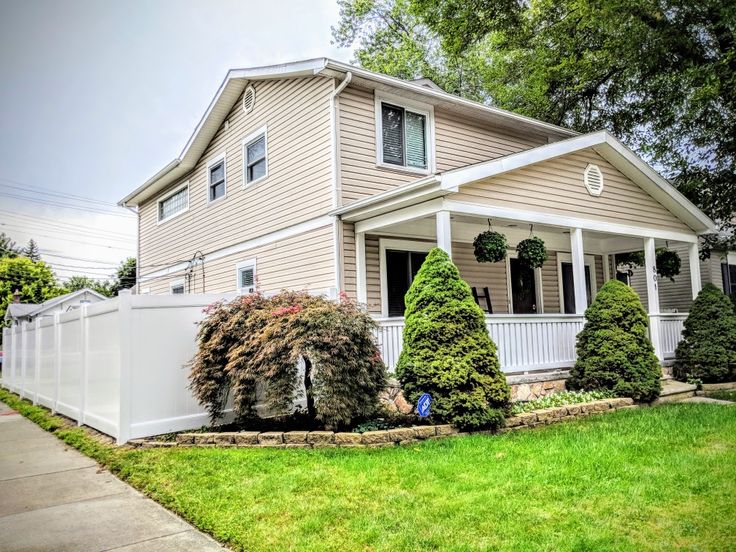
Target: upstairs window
x: 216, y: 178
x: 246, y: 277
x: 174, y: 204
x: 254, y: 156
x: 404, y: 137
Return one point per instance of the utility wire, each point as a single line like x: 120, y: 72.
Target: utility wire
x: 47, y: 221
x: 66, y: 205
x: 40, y: 190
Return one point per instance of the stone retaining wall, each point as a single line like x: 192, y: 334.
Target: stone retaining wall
x: 389, y: 437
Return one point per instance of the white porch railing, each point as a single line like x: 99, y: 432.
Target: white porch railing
x: 525, y: 342
x: 670, y: 332
x: 528, y: 342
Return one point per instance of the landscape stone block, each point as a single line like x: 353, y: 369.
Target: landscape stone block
x: 246, y: 438
x: 347, y: 438
x: 375, y: 437
x: 320, y: 437
x: 292, y: 437
x: 401, y: 434
x: 424, y: 432
x: 271, y: 438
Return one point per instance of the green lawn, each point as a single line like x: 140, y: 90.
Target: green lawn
x: 649, y: 479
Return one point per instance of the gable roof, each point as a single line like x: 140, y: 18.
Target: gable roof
x: 22, y: 310
x: 603, y: 143
x: 237, y: 79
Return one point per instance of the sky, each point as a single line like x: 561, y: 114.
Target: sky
x: 97, y: 96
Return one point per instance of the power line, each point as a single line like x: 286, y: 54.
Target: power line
x: 47, y: 221
x: 40, y: 190
x: 65, y: 205
x: 20, y: 227
x: 78, y: 241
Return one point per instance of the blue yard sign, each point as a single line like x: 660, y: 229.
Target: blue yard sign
x: 423, y: 404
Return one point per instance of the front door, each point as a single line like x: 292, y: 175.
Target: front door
x: 523, y: 288
x: 401, y: 267
x: 568, y: 288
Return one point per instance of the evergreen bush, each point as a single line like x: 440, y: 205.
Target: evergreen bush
x: 251, y: 349
x: 708, y: 348
x: 614, y: 351
x: 447, y: 351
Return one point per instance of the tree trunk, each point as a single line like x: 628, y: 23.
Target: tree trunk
x: 311, y: 412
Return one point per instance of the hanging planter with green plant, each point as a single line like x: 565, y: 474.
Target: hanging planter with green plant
x: 490, y: 246
x: 532, y: 251
x: 668, y: 263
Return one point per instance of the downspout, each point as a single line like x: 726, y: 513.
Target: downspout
x: 135, y: 211
x: 336, y: 184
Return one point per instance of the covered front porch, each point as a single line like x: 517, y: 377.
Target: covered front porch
x: 533, y: 315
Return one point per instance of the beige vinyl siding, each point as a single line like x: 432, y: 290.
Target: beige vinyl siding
x: 673, y: 296
x: 300, y: 262
x: 459, y: 141
x: 550, y: 284
x: 372, y: 274
x: 710, y: 270
x: 556, y: 187
x: 480, y: 275
x: 349, y: 278
x: 298, y: 186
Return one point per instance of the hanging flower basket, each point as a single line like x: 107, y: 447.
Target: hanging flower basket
x: 532, y: 252
x: 668, y: 264
x: 490, y: 247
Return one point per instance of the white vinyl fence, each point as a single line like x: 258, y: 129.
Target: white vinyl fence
x: 119, y: 366
x: 670, y: 332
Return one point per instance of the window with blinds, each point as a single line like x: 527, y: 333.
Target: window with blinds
x: 403, y: 137
x: 174, y: 204
x: 217, y: 180
x: 255, y: 156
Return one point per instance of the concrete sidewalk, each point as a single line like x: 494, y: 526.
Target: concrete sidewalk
x: 54, y: 498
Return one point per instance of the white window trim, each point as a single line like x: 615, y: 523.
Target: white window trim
x: 250, y: 263
x: 252, y: 137
x: 397, y: 245
x: 167, y: 196
x: 176, y: 283
x: 589, y: 260
x: 221, y: 157
x: 417, y: 107
x: 538, y: 289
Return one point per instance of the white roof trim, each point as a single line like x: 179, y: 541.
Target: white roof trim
x: 235, y: 82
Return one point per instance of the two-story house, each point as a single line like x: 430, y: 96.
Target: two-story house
x: 322, y: 176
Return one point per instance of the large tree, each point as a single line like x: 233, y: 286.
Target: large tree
x: 125, y: 276
x: 658, y: 73
x: 34, y: 280
x: 75, y: 283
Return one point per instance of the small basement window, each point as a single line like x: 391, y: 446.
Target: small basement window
x: 216, y: 178
x: 173, y: 204
x: 403, y: 136
x: 254, y: 155
x: 246, y: 276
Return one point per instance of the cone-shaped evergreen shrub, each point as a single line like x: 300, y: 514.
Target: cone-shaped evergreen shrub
x: 708, y: 347
x: 614, y: 351
x: 447, y: 350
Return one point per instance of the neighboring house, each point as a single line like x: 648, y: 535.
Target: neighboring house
x: 318, y: 175
x: 18, y: 312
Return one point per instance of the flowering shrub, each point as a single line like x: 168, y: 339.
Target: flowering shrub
x: 258, y: 342
x: 561, y: 399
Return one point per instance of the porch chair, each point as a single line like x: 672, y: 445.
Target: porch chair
x: 486, y: 297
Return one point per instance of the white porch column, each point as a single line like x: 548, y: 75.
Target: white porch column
x: 578, y: 270
x: 606, y: 267
x: 650, y: 267
x: 444, y: 233
x: 694, y: 259
x: 360, y: 274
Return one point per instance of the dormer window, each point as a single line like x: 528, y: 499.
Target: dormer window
x: 403, y: 135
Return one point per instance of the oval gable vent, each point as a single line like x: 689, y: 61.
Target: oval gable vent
x: 593, y: 178
x: 249, y: 99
